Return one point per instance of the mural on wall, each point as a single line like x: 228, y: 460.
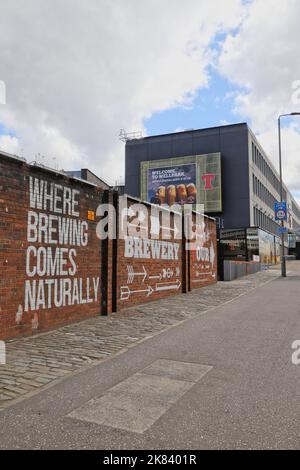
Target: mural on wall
x: 166, y: 273
x: 203, y: 256
x: 203, y: 262
x: 55, y: 233
x: 147, y: 281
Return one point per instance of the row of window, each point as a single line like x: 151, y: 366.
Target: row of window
x: 295, y: 210
x: 263, y: 221
x: 265, y: 168
x: 296, y: 226
x: 263, y: 193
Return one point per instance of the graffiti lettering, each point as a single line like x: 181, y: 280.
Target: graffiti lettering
x: 55, y: 266
x: 53, y: 197
x: 49, y: 293
x: 45, y: 262
x: 53, y: 229
x: 155, y: 249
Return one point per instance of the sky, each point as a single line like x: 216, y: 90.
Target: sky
x: 76, y: 72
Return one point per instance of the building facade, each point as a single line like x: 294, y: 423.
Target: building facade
x: 250, y: 182
x: 87, y: 175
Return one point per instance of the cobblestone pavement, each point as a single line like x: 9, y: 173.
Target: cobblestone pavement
x: 37, y: 361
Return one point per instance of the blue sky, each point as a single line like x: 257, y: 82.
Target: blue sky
x: 211, y: 106
x: 5, y: 131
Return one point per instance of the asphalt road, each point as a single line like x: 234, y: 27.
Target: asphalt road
x: 237, y: 388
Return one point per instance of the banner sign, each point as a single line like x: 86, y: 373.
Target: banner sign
x: 172, y: 185
x: 193, y: 179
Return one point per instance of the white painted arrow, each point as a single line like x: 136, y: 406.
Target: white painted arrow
x: 159, y: 277
x: 126, y: 292
x: 168, y: 286
x: 132, y: 274
x: 204, y: 274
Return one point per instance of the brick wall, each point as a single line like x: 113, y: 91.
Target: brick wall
x: 54, y: 269
x: 203, y: 258
x: 149, y: 267
x: 47, y: 278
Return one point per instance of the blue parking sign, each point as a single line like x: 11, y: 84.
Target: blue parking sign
x: 280, y: 211
x: 282, y: 230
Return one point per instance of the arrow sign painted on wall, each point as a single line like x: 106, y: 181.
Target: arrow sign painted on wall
x: 132, y: 274
x: 168, y: 286
x: 159, y: 277
x: 204, y: 274
x: 198, y: 274
x: 126, y: 292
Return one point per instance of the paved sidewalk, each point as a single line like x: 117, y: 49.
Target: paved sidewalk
x: 39, y: 361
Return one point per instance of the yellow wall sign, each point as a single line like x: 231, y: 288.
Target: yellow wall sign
x: 91, y: 215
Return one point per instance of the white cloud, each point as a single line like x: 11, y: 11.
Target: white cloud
x: 290, y: 153
x: 10, y: 144
x: 263, y: 58
x: 78, y: 71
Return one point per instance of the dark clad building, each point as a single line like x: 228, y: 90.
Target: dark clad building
x: 250, y: 182
x: 88, y: 175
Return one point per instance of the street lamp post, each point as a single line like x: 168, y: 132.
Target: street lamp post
x: 283, y: 263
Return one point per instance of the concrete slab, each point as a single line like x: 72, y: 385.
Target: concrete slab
x: 134, y: 404
x: 187, y: 371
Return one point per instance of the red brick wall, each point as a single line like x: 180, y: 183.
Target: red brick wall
x: 46, y: 281
x: 203, y: 259
x: 150, y: 268
x: 22, y: 310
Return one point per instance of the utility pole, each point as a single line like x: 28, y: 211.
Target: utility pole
x: 283, y: 261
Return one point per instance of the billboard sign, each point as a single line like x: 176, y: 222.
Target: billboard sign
x: 172, y: 185
x: 193, y: 179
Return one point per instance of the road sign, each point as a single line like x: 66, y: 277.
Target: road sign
x: 280, y: 211
x: 282, y: 230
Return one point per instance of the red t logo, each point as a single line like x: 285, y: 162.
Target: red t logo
x: 208, y: 179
